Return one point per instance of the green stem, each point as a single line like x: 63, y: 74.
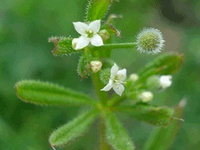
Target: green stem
x: 102, y: 136
x: 103, y: 98
x: 98, y: 86
x: 117, y: 46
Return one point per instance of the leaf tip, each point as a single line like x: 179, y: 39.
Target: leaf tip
x: 16, y: 87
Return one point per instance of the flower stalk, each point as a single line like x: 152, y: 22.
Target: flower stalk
x: 117, y: 46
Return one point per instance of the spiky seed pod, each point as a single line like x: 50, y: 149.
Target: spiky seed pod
x: 150, y: 41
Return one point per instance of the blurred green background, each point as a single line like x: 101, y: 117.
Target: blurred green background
x: 25, y: 26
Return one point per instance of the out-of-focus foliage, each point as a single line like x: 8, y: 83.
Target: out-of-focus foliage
x: 26, y: 54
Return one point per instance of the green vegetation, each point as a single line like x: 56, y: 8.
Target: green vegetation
x: 26, y: 54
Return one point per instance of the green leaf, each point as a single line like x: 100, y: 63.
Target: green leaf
x: 63, y: 46
x: 96, y: 9
x: 160, y: 116
x: 44, y: 93
x: 73, y: 129
x: 163, y: 65
x: 116, y: 134
x: 162, y: 138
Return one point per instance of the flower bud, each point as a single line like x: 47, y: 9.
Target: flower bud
x: 134, y: 77
x: 165, y: 81
x: 146, y: 96
x: 159, y: 82
x: 104, y: 34
x: 95, y: 66
x: 150, y: 41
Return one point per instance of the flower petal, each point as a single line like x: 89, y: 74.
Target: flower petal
x: 95, y: 26
x: 74, y: 43
x: 118, y: 88
x: 79, y: 43
x: 96, y: 40
x: 108, y: 86
x: 80, y: 27
x: 113, y: 71
x: 121, y: 74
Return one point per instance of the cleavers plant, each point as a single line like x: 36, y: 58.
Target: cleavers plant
x: 131, y: 94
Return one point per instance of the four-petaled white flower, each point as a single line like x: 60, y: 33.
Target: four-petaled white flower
x: 165, y: 81
x: 117, y: 78
x: 89, y: 34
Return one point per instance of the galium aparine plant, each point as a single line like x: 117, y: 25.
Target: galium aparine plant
x: 117, y: 89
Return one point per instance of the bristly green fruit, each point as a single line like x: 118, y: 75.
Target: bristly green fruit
x: 150, y: 41
x: 84, y: 67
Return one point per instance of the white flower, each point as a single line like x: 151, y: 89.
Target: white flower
x: 146, y: 96
x: 88, y: 34
x: 117, y: 78
x: 165, y: 81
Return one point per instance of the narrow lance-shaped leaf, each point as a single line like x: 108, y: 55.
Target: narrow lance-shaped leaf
x: 163, y: 65
x: 116, y: 134
x: 162, y: 138
x: 43, y: 93
x: 160, y: 116
x: 96, y: 9
x: 63, y: 46
x: 72, y: 130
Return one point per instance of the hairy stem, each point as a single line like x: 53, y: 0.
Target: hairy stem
x: 117, y: 46
x: 103, y: 145
x: 103, y: 98
x: 98, y: 86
